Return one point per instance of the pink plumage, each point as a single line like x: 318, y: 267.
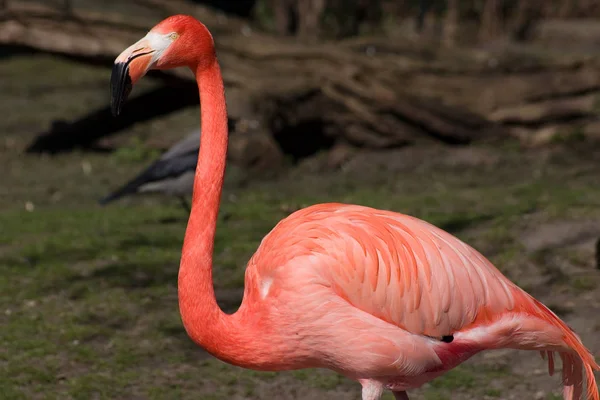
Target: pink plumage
x: 383, y: 298
x: 391, y: 288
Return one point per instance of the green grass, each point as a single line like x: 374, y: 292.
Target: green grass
x: 89, y: 293
x: 458, y: 378
x: 88, y: 296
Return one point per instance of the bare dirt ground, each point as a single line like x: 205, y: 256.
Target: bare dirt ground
x: 88, y: 294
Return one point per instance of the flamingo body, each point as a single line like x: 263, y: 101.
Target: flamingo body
x: 383, y: 298
x: 374, y: 293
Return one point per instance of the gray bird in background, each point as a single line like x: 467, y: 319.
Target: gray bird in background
x: 172, y: 174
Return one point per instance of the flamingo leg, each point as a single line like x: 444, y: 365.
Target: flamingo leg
x: 400, y: 395
x: 371, y: 390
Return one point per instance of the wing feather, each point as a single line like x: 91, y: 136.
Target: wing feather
x: 396, y: 267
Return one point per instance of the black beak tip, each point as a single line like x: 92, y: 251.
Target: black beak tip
x: 120, y: 87
x: 115, y: 110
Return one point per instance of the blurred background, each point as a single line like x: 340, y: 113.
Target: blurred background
x: 479, y: 116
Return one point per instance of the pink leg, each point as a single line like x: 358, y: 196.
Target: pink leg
x: 371, y: 390
x: 400, y: 395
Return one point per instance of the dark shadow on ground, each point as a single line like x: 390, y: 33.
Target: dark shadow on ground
x: 82, y: 133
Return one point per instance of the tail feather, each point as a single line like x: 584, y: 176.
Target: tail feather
x: 550, y: 360
x: 576, y: 358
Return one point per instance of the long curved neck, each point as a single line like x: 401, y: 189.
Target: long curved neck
x: 227, y: 337
x: 197, y: 302
x: 196, y: 293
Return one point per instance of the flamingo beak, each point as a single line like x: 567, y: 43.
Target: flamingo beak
x: 129, y: 67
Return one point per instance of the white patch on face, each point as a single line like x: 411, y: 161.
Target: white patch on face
x: 264, y: 288
x: 154, y: 41
x: 159, y: 43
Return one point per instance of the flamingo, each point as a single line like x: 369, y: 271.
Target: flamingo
x: 383, y: 298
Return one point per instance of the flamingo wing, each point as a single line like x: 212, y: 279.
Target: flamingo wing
x: 400, y: 269
x: 413, y: 275
x: 417, y: 276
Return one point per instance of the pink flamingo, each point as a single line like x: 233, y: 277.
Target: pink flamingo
x: 380, y: 297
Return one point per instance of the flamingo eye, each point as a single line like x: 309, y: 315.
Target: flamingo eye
x: 173, y: 35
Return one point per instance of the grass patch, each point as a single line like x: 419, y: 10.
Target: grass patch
x: 583, y: 284
x: 99, y: 284
x: 458, y: 378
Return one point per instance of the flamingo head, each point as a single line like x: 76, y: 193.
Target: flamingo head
x: 177, y: 41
